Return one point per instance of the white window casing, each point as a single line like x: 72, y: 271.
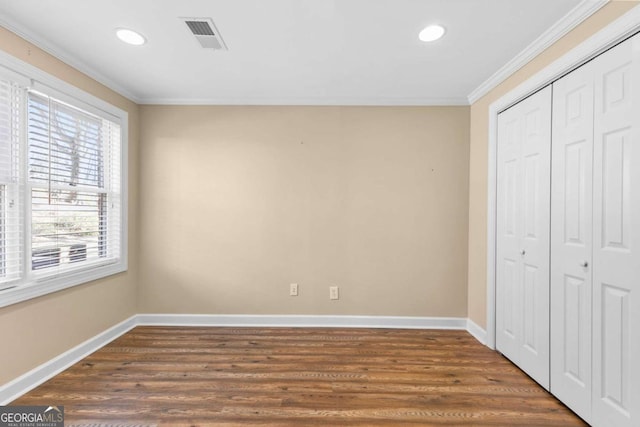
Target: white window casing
x: 63, y: 184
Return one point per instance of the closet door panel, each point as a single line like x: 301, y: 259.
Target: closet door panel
x: 571, y: 239
x: 616, y: 267
x: 523, y: 203
x: 536, y: 175
x: 509, y: 284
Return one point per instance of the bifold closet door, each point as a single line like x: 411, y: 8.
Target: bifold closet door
x: 522, y: 231
x: 595, y: 244
x: 571, y: 239
x: 616, y: 237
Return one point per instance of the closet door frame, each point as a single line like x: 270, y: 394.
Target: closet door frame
x: 617, y: 31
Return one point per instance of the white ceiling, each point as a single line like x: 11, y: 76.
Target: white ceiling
x: 341, y: 52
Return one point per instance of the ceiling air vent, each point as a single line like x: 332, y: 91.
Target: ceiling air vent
x: 205, y: 31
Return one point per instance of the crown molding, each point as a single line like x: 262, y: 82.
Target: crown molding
x: 578, y: 14
x: 64, y: 56
x: 311, y: 101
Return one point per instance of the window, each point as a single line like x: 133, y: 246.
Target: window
x: 62, y: 186
x: 74, y: 181
x: 10, y: 207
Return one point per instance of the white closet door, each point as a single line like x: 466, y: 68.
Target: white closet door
x: 616, y: 249
x: 571, y: 239
x: 523, y: 203
x: 508, y: 230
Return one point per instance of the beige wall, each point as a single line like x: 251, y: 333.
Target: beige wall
x: 37, y: 330
x: 479, y: 151
x: 238, y: 202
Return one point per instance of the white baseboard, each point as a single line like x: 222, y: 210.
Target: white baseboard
x: 398, y: 322
x: 478, y: 332
x: 21, y: 385
x: 16, y: 388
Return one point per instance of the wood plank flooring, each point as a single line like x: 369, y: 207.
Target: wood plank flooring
x: 182, y: 376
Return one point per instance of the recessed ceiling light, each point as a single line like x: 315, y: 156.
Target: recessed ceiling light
x: 130, y: 36
x: 431, y: 33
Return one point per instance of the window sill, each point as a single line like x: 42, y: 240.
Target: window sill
x: 47, y: 285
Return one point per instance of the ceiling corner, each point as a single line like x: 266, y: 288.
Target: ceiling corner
x: 68, y: 59
x: 306, y: 101
x: 572, y: 19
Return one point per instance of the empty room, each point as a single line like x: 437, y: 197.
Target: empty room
x: 319, y: 212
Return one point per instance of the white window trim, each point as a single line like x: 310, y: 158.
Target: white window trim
x: 44, y: 82
x: 617, y: 31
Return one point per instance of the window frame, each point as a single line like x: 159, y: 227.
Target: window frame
x: 3, y: 221
x: 11, y: 191
x: 33, y: 285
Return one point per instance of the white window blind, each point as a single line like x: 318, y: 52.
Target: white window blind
x: 11, y: 206
x: 74, y: 183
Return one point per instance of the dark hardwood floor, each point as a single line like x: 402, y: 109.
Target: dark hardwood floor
x: 182, y: 376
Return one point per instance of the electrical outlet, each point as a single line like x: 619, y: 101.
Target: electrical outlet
x: 333, y: 292
x: 293, y: 289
